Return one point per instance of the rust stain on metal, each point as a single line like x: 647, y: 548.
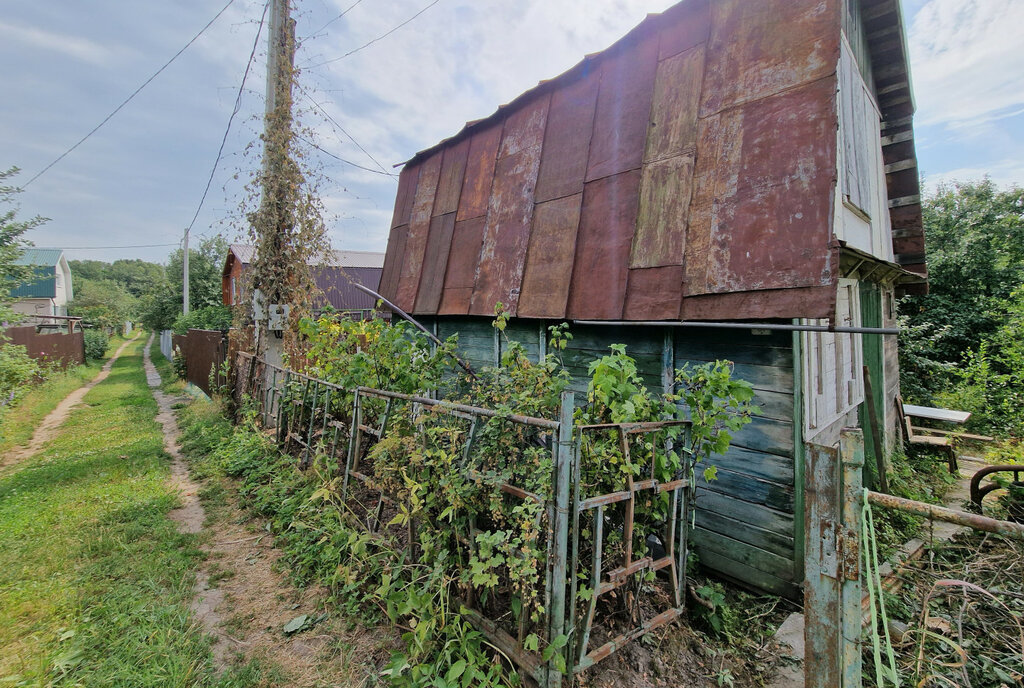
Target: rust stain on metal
x: 506, y: 236
x: 476, y: 188
x: 771, y: 222
x: 941, y: 513
x: 453, y: 170
x: 677, y: 89
x: 690, y: 25
x: 665, y: 190
x: 623, y: 108
x: 467, y: 239
x: 602, y: 247
x: 406, y: 191
x: 393, y: 261
x: 653, y: 293
x: 436, y: 256
x: 545, y: 288
x: 419, y: 226
x: 567, y: 139
x: 758, y: 49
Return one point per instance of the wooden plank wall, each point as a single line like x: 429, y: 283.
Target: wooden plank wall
x: 745, y: 519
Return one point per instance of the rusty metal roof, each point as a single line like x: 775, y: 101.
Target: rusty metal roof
x: 686, y: 172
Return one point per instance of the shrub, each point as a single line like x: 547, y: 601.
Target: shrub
x: 209, y: 318
x: 96, y: 343
x: 17, y: 371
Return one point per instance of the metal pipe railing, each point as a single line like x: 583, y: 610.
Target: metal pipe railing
x: 941, y: 513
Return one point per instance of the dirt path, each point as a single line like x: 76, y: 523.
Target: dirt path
x: 47, y: 429
x: 240, y: 598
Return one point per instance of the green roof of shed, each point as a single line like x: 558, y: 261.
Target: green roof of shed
x: 48, y: 257
x: 45, y: 261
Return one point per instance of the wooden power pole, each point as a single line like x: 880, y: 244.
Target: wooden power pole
x: 276, y: 141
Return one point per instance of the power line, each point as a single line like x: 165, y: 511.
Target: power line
x: 378, y: 38
x: 97, y: 248
x: 347, y: 10
x: 238, y: 105
x: 347, y: 162
x: 342, y: 130
x: 129, y: 98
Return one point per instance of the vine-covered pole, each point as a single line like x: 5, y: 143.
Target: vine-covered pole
x: 276, y: 140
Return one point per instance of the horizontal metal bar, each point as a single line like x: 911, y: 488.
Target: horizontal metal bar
x: 617, y: 576
x: 530, y: 662
x: 614, y: 497
x: 505, y: 487
x: 648, y: 426
x: 785, y: 327
x: 449, y: 406
x: 941, y: 513
x: 611, y: 646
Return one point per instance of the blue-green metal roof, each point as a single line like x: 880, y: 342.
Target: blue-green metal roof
x: 48, y: 257
x: 44, y: 261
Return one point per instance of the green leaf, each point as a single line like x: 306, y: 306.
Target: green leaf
x: 297, y: 624
x: 456, y: 671
x: 711, y: 473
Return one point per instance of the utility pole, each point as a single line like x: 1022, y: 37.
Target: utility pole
x: 276, y: 139
x: 184, y: 277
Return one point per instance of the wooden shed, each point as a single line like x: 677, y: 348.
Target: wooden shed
x: 726, y: 169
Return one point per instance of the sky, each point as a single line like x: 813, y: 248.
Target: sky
x: 137, y: 182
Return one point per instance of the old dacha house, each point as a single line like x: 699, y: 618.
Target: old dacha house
x: 719, y: 182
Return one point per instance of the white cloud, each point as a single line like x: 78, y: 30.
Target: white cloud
x: 79, y: 48
x: 968, y: 64
x: 1005, y: 173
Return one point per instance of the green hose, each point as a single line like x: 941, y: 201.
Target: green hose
x: 869, y: 557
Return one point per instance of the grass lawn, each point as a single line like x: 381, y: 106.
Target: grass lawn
x: 17, y: 424
x: 95, y: 581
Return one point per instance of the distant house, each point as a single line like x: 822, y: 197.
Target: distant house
x: 334, y: 280
x: 50, y: 291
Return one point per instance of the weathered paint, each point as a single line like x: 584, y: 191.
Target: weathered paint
x: 599, y: 271
x: 567, y: 139
x: 467, y: 238
x: 623, y: 107
x: 744, y: 207
x: 439, y: 241
x: 552, y: 246
x: 507, y: 234
x: 419, y: 227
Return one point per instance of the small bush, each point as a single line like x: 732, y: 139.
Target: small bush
x: 178, y: 363
x: 96, y: 343
x: 17, y: 371
x: 209, y: 318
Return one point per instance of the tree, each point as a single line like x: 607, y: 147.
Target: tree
x: 103, y: 303
x: 163, y: 304
x: 137, y: 277
x: 12, y: 242
x: 974, y: 236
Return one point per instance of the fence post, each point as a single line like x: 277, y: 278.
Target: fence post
x: 563, y: 473
x: 832, y: 588
x: 851, y: 450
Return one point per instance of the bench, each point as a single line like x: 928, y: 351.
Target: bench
x: 929, y: 437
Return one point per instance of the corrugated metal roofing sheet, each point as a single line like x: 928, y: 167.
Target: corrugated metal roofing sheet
x: 40, y: 256
x: 687, y: 171
x: 349, y: 259
x: 43, y: 287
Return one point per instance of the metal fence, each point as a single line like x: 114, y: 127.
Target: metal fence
x: 65, y: 349
x: 205, y: 352
x: 635, y: 585
x: 166, y: 346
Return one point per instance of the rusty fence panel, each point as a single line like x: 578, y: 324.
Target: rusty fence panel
x: 205, y: 352
x: 596, y: 536
x: 65, y: 349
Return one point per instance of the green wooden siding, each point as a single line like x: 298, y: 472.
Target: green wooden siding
x: 745, y: 526
x: 745, y: 519
x: 871, y: 316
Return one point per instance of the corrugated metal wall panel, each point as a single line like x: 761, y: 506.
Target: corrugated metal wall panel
x: 563, y: 162
x: 428, y: 298
x: 419, y: 228
x: 507, y: 234
x: 552, y: 246
x: 460, y: 274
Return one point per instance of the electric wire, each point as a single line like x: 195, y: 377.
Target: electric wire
x: 378, y: 38
x: 342, y: 130
x: 346, y: 11
x: 132, y: 96
x: 347, y: 162
x: 98, y: 248
x: 238, y: 105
